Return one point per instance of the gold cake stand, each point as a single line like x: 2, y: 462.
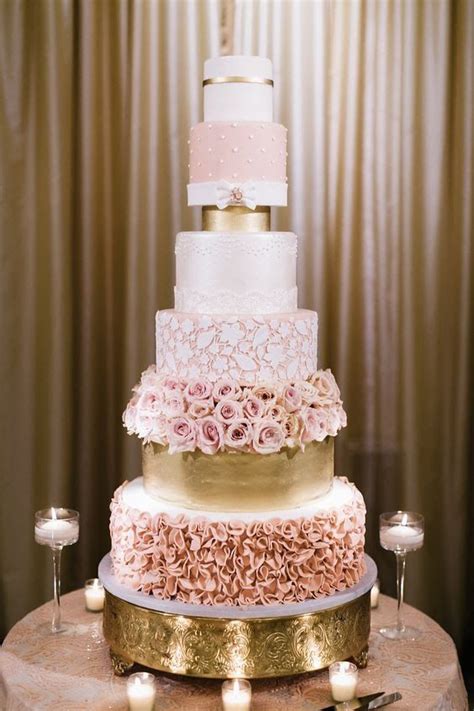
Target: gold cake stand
x: 222, y: 643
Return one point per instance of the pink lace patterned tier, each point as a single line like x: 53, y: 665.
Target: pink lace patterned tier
x: 248, y: 349
x: 246, y: 560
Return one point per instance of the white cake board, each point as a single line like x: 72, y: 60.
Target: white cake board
x: 175, y: 607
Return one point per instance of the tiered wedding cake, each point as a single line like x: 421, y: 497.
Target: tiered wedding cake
x: 238, y: 504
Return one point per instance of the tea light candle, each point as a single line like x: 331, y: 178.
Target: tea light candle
x: 141, y: 692
x: 374, y: 594
x: 343, y: 680
x: 401, y: 537
x: 94, y: 594
x: 57, y: 532
x: 236, y: 695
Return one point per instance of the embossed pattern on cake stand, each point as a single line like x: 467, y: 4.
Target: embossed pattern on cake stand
x: 223, y: 642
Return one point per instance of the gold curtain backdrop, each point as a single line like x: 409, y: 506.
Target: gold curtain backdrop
x: 96, y: 99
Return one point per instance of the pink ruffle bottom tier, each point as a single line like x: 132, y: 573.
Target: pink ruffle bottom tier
x: 202, y: 561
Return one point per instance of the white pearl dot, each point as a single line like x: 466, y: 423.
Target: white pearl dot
x: 263, y: 177
x: 234, y: 175
x: 235, y: 149
x: 287, y: 153
x: 281, y: 153
x: 249, y: 160
x: 221, y: 161
x: 199, y: 164
x: 189, y: 141
x: 210, y: 175
x: 250, y: 135
x: 262, y: 125
x: 192, y: 128
x: 273, y: 138
x: 190, y: 177
x: 191, y: 151
x: 222, y: 136
x: 234, y: 125
x: 272, y: 162
x: 209, y: 149
x: 262, y: 150
x: 189, y: 165
x: 209, y: 125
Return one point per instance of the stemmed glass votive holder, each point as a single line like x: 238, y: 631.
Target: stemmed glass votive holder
x: 56, y: 528
x: 401, y: 532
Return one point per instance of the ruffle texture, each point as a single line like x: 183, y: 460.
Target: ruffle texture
x: 207, y: 562
x: 226, y: 416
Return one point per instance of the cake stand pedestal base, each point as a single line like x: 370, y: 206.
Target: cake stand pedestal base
x: 224, y: 642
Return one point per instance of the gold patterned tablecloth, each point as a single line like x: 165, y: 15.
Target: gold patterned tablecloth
x: 73, y: 671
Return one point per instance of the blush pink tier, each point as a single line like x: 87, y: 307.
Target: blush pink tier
x: 175, y: 555
x: 245, y: 348
x: 237, y: 151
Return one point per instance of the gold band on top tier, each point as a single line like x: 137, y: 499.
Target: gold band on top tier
x: 235, y: 218
x: 237, y: 80
x: 239, y: 481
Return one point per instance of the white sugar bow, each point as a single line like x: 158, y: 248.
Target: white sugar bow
x: 234, y: 194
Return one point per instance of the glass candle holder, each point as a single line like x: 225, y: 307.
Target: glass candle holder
x: 56, y: 528
x: 343, y: 680
x: 236, y: 695
x: 401, y: 532
x: 141, y: 691
x: 374, y: 594
x: 94, y: 595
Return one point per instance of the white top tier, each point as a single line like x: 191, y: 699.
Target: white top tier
x: 238, y: 100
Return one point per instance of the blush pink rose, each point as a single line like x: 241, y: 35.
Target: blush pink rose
x: 268, y: 436
x: 130, y: 414
x: 265, y: 393
x: 181, y: 435
x: 172, y: 385
x: 253, y: 407
x: 149, y: 400
x: 327, y: 391
x: 226, y: 388
x: 291, y: 428
x: 210, y: 435
x: 292, y: 399
x: 228, y: 410
x: 275, y: 412
x: 238, y: 434
x: 314, y: 424
x: 200, y: 408
x: 307, y: 391
x: 173, y: 406
x: 198, y: 389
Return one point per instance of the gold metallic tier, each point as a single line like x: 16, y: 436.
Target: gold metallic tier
x: 239, y: 481
x: 224, y: 648
x: 235, y: 218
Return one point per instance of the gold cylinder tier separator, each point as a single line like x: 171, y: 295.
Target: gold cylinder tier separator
x: 257, y: 642
x: 235, y: 218
x: 239, y: 481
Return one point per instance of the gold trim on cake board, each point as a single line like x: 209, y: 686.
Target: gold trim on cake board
x: 225, y: 648
x: 239, y: 481
x: 235, y: 218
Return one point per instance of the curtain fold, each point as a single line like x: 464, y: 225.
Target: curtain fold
x: 96, y: 99
x: 378, y: 100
